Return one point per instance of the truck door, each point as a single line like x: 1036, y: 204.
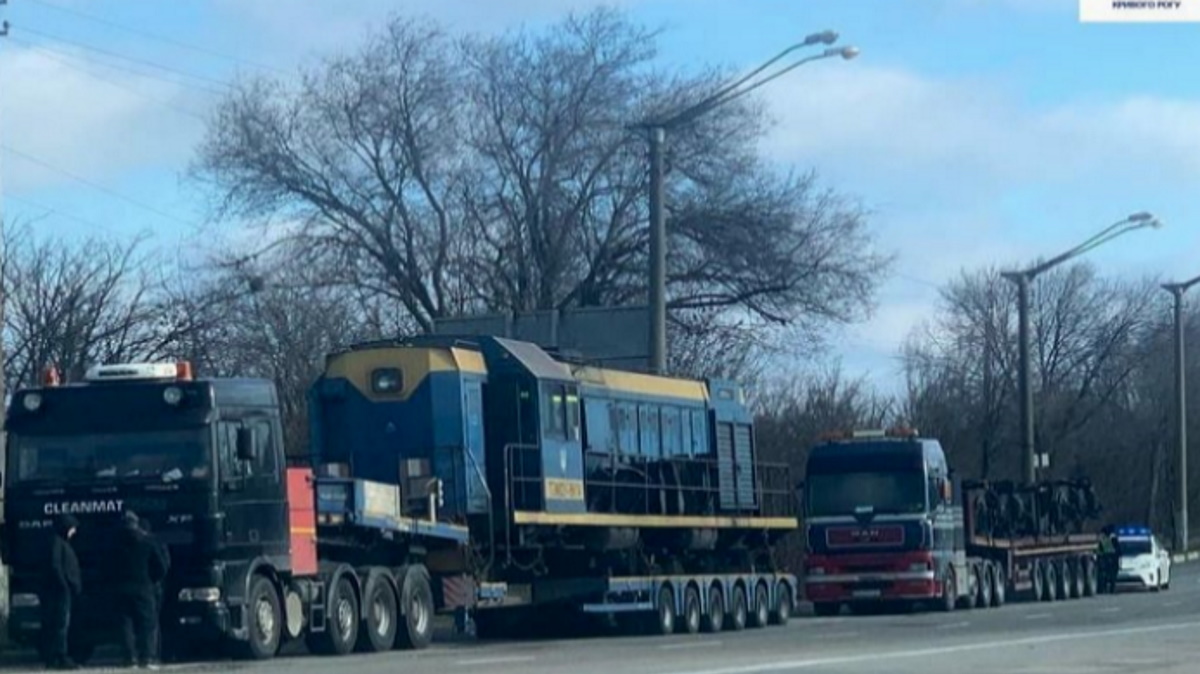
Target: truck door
x: 252, y: 489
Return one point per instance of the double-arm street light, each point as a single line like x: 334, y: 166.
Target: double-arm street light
x: 656, y: 130
x: 1023, y: 279
x: 1181, y: 520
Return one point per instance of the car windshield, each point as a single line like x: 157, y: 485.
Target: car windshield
x: 167, y: 456
x: 899, y: 492
x: 1131, y: 547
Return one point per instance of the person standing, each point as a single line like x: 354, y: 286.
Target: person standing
x: 61, y: 588
x: 137, y: 568
x: 164, y: 557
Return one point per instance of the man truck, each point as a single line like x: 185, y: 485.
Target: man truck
x: 886, y: 525
x: 480, y: 476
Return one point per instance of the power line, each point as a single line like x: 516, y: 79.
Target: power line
x: 154, y: 36
x: 109, y: 191
x: 59, y: 212
x: 62, y: 58
x: 131, y: 59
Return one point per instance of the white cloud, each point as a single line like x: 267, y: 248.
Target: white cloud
x: 954, y: 169
x: 95, y: 128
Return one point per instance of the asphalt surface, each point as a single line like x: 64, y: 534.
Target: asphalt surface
x: 1129, y: 632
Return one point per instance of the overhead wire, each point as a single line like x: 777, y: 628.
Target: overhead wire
x: 59, y: 212
x: 154, y: 36
x: 64, y: 59
x: 224, y: 86
x: 97, y: 186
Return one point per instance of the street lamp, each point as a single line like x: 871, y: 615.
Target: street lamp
x: 1023, y: 279
x: 657, y: 130
x: 1181, y: 521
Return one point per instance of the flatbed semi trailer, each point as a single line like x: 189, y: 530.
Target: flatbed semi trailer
x: 885, y: 524
x: 481, y: 478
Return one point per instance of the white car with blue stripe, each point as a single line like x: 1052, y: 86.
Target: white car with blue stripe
x: 1143, y: 560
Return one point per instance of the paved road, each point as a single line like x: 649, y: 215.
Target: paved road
x: 1131, y: 632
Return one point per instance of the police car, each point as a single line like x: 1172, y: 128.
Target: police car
x: 1143, y: 560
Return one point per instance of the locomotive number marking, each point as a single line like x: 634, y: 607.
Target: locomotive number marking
x: 564, y: 490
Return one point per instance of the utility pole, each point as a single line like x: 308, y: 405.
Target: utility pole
x: 658, y: 253
x: 1181, y: 516
x: 657, y: 130
x: 1023, y: 279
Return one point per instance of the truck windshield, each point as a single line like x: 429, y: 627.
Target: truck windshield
x: 159, y: 455
x: 889, y: 493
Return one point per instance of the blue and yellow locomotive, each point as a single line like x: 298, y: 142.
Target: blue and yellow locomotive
x: 554, y: 464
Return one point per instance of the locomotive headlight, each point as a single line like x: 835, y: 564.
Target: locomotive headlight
x: 173, y: 395
x: 32, y: 401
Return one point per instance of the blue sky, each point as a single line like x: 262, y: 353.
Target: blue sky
x: 978, y: 131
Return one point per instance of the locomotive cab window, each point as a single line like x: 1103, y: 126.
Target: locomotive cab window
x: 387, y: 380
x: 560, y: 412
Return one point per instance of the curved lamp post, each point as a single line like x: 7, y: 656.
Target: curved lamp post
x: 1023, y: 279
x: 657, y: 129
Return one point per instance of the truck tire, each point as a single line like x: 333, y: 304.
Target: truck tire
x: 342, y: 623
x: 714, y: 619
x: 416, y: 603
x: 691, y: 610
x: 983, y: 586
x: 784, y: 605
x: 762, y: 607
x: 1036, y: 580
x: 949, y: 589
x: 378, y: 631
x: 1077, y: 579
x: 737, y: 609
x: 662, y: 621
x: 1090, y: 582
x: 1049, y: 582
x: 999, y: 585
x: 264, y: 621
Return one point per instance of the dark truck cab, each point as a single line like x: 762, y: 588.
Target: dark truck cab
x: 199, y: 460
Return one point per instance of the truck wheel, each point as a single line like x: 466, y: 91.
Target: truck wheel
x: 762, y: 607
x: 1036, y: 576
x: 416, y: 599
x: 783, y: 605
x: 691, y: 610
x: 714, y: 620
x: 663, y: 621
x: 378, y: 633
x: 1077, y: 579
x: 737, y: 609
x: 264, y: 621
x: 1089, y: 577
x: 983, y: 585
x: 1049, y: 582
x: 949, y: 589
x: 341, y: 624
x: 999, y: 585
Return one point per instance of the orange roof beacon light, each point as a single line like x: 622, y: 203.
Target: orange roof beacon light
x: 183, y: 370
x: 903, y: 432
x: 50, y: 376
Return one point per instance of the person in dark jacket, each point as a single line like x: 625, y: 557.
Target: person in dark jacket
x: 164, y: 557
x: 61, y: 588
x: 137, y: 569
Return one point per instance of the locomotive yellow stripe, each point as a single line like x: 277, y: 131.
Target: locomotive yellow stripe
x: 653, y: 521
x: 415, y: 364
x: 644, y: 384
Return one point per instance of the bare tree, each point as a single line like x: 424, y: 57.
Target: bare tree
x: 500, y: 174
x: 74, y: 304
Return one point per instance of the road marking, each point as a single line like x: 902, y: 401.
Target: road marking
x: 689, y: 644
x: 952, y: 626
x: 779, y: 665
x: 1173, y: 604
x: 1037, y: 616
x: 1110, y: 609
x: 496, y: 660
x: 840, y: 635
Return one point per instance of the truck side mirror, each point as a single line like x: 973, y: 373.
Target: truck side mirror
x: 245, y: 444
